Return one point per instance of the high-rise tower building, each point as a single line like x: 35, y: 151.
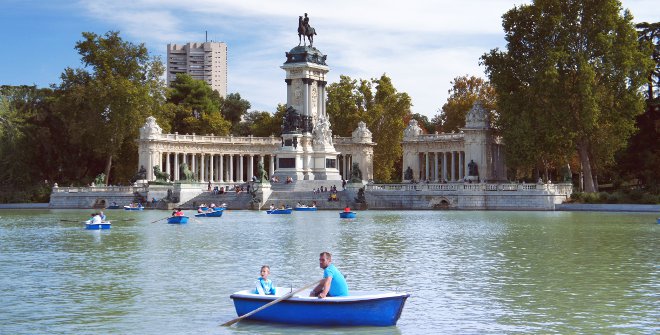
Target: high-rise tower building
x: 205, y: 61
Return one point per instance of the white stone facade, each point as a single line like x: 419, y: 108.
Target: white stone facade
x: 447, y: 157
x: 205, y: 61
x: 229, y: 159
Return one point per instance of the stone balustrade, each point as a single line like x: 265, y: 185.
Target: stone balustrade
x: 216, y: 139
x: 100, y: 189
x: 564, y: 189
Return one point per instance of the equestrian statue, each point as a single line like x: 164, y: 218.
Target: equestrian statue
x: 305, y: 30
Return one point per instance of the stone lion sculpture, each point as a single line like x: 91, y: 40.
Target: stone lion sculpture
x: 186, y: 174
x: 160, y: 175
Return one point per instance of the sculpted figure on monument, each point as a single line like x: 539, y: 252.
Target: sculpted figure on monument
x: 291, y: 122
x: 305, y: 30
x: 186, y: 174
x: 356, y: 174
x: 160, y: 175
x: 473, y: 170
x: 408, y: 175
x: 141, y: 175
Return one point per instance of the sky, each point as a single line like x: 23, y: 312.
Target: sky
x: 421, y: 45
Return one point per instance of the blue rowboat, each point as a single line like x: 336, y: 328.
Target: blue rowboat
x: 357, y: 309
x: 97, y: 226
x: 113, y: 207
x: 129, y: 208
x: 177, y: 219
x: 214, y: 214
x: 279, y: 211
x: 305, y: 209
x: 347, y: 215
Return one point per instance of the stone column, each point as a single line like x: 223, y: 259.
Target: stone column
x: 240, y: 168
x: 211, y: 176
x: 271, y: 168
x: 444, y: 166
x: 231, y: 168
x: 176, y: 167
x: 306, y: 99
x: 193, y: 164
x: 221, y: 170
x: 461, y: 162
x: 453, y: 166
x: 202, y: 170
x: 427, y: 163
x: 250, y: 167
x: 169, y: 167
x: 436, y: 162
x: 322, y: 98
x: 288, y: 90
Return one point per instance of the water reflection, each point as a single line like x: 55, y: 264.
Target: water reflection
x: 468, y: 272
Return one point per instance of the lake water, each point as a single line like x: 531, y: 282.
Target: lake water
x: 468, y: 272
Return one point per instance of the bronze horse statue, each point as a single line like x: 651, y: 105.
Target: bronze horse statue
x: 305, y: 30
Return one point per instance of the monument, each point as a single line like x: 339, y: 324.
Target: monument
x: 307, y: 151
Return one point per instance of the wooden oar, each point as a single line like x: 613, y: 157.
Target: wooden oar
x: 284, y: 297
x: 160, y: 219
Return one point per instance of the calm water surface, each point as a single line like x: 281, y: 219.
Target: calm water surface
x: 467, y: 272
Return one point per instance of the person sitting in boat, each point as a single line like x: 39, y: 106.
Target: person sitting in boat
x: 199, y: 209
x: 179, y: 212
x: 272, y: 207
x: 102, y: 216
x: 264, y: 285
x: 334, y: 283
x: 346, y: 210
x: 96, y: 219
x: 314, y: 204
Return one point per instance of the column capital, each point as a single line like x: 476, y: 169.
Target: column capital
x: 307, y: 80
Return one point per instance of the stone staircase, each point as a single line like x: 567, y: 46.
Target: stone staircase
x: 232, y: 199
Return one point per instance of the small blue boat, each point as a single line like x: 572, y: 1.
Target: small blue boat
x: 214, y: 214
x: 113, y: 207
x: 134, y: 208
x: 305, y: 209
x: 347, y: 215
x: 279, y: 211
x: 97, y: 226
x: 177, y: 219
x: 357, y: 309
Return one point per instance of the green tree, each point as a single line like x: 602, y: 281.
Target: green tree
x: 641, y: 159
x: 465, y: 91
x: 234, y: 107
x: 568, y: 82
x: 346, y: 105
x: 197, y: 107
x: 29, y: 151
x: 259, y: 123
x: 107, y: 101
x: 384, y: 112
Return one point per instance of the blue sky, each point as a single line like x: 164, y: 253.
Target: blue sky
x: 421, y: 45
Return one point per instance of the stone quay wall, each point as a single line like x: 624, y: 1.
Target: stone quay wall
x: 459, y: 196
x: 463, y: 196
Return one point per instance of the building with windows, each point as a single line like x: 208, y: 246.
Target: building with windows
x: 205, y: 61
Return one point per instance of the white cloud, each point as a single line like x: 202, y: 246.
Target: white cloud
x: 421, y: 44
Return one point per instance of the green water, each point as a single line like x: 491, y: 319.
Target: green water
x: 468, y: 272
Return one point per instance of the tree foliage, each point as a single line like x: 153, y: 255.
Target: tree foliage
x: 259, y: 123
x: 568, y: 83
x: 465, y: 91
x: 195, y: 108
x: 106, y: 102
x: 234, y: 107
x: 384, y: 112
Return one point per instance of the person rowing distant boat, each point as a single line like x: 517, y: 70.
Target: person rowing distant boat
x: 333, y: 283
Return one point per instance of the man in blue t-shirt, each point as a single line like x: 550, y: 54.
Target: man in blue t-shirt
x: 333, y: 283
